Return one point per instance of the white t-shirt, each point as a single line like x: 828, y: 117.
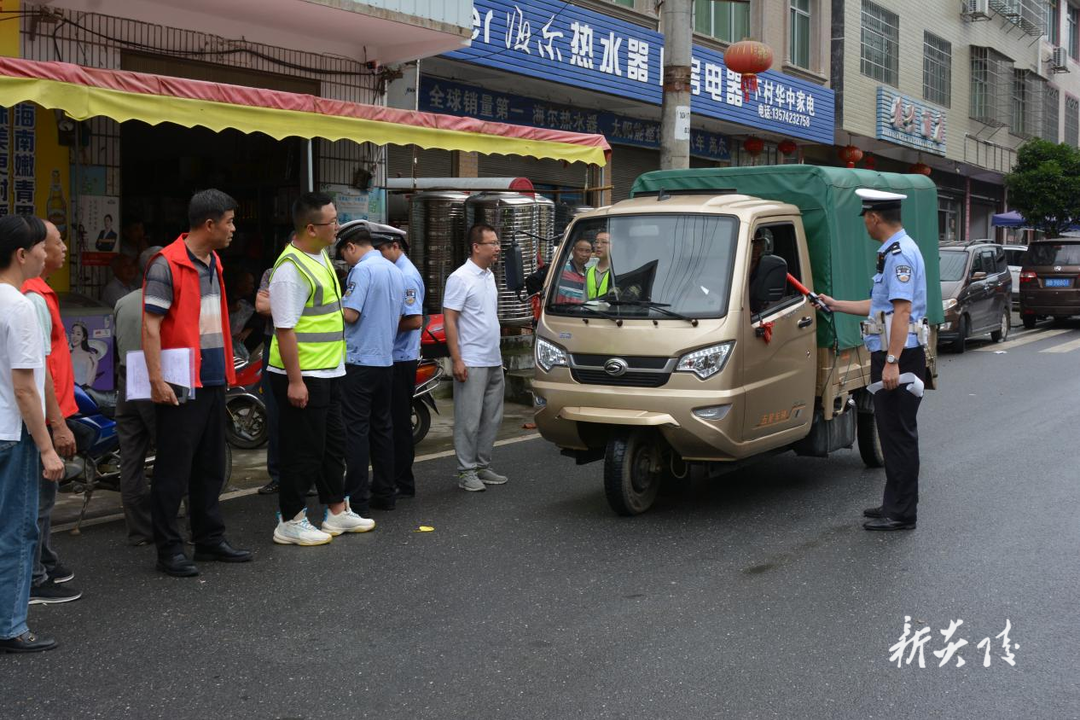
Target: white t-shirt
x: 288, y: 295
x: 472, y: 292
x: 22, y: 347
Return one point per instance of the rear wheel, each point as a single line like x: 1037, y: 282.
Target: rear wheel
x: 963, y: 328
x: 869, y: 442
x: 246, y: 425
x: 1029, y: 321
x: 1002, y: 333
x: 633, y: 471
x: 421, y: 421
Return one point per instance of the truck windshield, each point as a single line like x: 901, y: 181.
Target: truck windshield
x: 646, y: 266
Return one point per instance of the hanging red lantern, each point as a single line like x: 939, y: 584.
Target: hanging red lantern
x: 787, y: 147
x: 869, y: 162
x: 850, y: 155
x: 753, y: 145
x: 920, y: 168
x: 749, y: 57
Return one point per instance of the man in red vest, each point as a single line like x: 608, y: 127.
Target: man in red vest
x: 49, y: 575
x: 184, y: 306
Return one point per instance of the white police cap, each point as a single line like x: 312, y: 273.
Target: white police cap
x: 879, y: 200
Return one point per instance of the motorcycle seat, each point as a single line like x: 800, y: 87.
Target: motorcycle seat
x: 106, y: 401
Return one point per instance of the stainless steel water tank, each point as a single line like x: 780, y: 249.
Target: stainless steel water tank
x: 436, y: 229
x: 513, y: 216
x: 546, y: 228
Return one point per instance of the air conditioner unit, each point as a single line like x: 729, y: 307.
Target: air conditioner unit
x: 977, y: 9
x: 1059, y: 60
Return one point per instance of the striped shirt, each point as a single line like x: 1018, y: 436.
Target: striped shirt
x: 159, y: 298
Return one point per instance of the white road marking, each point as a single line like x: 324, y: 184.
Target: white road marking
x: 1034, y: 337
x: 1063, y: 348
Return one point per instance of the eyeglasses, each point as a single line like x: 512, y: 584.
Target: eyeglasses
x: 332, y: 222
x: 487, y: 243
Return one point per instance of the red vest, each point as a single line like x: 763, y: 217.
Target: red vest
x: 180, y: 327
x: 63, y: 375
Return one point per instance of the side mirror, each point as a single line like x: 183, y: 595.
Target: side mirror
x: 513, y: 267
x: 978, y: 275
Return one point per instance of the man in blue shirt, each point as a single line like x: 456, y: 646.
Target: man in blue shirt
x: 894, y: 333
x: 392, y: 244
x: 373, y: 304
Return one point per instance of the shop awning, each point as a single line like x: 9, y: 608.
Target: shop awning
x: 121, y: 95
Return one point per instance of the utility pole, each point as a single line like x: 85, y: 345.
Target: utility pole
x: 675, y: 114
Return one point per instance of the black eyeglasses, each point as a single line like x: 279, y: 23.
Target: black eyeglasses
x: 332, y: 222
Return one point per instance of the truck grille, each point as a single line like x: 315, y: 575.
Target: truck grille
x: 629, y: 379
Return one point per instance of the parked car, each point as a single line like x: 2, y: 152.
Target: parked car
x: 1050, y: 280
x: 976, y: 288
x: 1014, y: 256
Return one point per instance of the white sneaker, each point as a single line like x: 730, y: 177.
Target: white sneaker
x: 299, y: 531
x: 469, y: 481
x: 346, y: 522
x: 490, y: 477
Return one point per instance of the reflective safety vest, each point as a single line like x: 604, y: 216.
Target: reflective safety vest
x: 591, y: 291
x: 320, y: 332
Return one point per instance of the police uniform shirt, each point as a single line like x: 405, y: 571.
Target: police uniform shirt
x: 903, y: 277
x: 375, y: 288
x: 407, y: 342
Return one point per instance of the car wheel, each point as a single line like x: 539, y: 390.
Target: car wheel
x: 869, y: 442
x: 1029, y: 321
x: 632, y: 471
x: 1002, y: 333
x: 963, y: 328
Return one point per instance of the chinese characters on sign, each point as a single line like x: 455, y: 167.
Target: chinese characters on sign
x: 444, y: 96
x: 914, y: 645
x: 23, y: 139
x: 563, y: 43
x: 908, y: 122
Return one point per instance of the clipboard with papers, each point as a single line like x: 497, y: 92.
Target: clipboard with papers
x: 177, y: 368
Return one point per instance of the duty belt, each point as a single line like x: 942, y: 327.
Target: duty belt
x: 882, y: 326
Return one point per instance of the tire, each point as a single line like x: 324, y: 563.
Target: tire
x: 246, y: 426
x: 421, y: 421
x: 1002, y: 333
x: 869, y: 442
x: 959, y: 345
x: 632, y: 471
x: 1029, y: 321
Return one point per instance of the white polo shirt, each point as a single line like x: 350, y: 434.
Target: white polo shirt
x: 471, y: 291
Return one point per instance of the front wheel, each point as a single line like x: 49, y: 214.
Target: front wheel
x: 963, y: 328
x: 633, y: 471
x: 1002, y: 333
x: 869, y: 441
x: 246, y: 426
x: 421, y: 421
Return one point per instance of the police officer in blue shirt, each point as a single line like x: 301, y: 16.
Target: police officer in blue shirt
x: 372, y: 304
x: 392, y: 244
x: 895, y: 334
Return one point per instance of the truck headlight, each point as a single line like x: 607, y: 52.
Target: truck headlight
x: 549, y: 355
x: 948, y: 304
x: 706, y: 362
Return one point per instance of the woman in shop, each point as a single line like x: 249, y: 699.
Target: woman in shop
x: 84, y: 355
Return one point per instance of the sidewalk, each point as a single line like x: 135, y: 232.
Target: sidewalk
x: 249, y: 466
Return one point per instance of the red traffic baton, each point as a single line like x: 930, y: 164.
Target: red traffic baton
x: 811, y: 296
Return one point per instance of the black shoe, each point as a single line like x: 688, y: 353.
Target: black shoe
x: 61, y: 574
x: 28, y: 642
x: 177, y: 565
x: 888, y: 524
x: 379, y: 504
x: 222, y: 552
x: 269, y: 488
x: 312, y: 492
x: 407, y: 494
x: 873, y: 512
x: 49, y: 593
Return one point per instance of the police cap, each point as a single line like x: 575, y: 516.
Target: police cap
x: 875, y: 200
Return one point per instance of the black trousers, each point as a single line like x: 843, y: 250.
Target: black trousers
x: 401, y: 413
x: 895, y: 412
x: 366, y: 409
x: 190, y: 461
x: 135, y: 421
x: 311, y: 444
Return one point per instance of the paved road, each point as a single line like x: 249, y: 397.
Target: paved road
x: 758, y: 596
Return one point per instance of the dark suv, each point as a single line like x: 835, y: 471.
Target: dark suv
x: 975, y: 293
x: 1050, y: 280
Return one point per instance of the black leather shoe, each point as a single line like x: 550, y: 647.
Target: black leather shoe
x: 222, y: 552
x: 888, y: 524
x: 177, y: 565
x: 269, y: 488
x: 379, y: 504
x: 28, y: 642
x: 873, y: 512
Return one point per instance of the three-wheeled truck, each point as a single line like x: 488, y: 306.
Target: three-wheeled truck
x: 704, y: 349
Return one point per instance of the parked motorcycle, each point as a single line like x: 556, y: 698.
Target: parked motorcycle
x: 429, y: 373
x: 246, y: 426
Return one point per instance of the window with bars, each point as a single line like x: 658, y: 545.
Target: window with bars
x: 1028, y: 15
x: 799, y: 50
x: 722, y: 19
x: 991, y: 86
x: 1072, y: 121
x: 880, y: 43
x: 937, y: 69
x: 1051, y: 109
x: 1026, y: 118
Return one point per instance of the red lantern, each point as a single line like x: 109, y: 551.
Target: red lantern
x: 753, y: 145
x: 850, y: 155
x: 869, y: 162
x: 787, y: 147
x: 920, y: 169
x: 749, y: 57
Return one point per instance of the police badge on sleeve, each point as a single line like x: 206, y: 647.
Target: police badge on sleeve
x: 410, y: 296
x: 903, y: 273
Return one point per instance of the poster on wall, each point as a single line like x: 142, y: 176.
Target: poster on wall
x: 90, y: 338
x: 98, y: 236
x: 353, y: 204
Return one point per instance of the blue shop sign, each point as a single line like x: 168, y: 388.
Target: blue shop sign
x: 451, y: 98
x: 909, y: 122
x: 559, y: 42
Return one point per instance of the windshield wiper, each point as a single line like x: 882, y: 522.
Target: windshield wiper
x: 659, y: 307
x: 591, y: 310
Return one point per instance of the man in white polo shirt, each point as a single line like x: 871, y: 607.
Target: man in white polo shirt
x: 470, y: 309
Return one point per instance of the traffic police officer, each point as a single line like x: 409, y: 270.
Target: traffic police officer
x: 895, y: 334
